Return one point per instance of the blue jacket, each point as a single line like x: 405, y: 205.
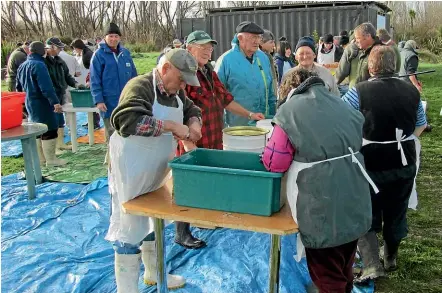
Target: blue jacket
x: 109, y: 74
x: 33, y: 78
x: 279, y: 61
x: 244, y: 80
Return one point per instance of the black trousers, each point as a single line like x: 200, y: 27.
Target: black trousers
x: 390, y: 205
x: 48, y: 135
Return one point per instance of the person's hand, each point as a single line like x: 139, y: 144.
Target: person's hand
x: 257, y: 116
x: 102, y: 107
x: 195, y: 132
x: 181, y: 131
x: 58, y: 108
x: 80, y: 86
x: 419, y: 87
x: 88, y: 85
x: 188, y: 146
x: 77, y: 74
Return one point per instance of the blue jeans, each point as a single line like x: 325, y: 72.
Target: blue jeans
x: 127, y: 248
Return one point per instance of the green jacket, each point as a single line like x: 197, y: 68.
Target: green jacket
x: 398, y: 57
x: 334, y: 204
x: 59, y: 73
x: 348, y: 65
x: 18, y: 56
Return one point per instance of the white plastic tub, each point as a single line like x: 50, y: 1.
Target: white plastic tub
x: 266, y: 124
x: 245, y: 139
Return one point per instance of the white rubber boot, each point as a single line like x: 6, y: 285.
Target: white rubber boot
x: 149, y: 258
x: 60, y: 141
x: 127, y: 272
x: 49, y: 153
x: 41, y: 156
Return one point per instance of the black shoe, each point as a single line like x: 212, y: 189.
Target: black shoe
x: 184, y: 237
x: 96, y: 127
x: 428, y: 128
x: 85, y: 125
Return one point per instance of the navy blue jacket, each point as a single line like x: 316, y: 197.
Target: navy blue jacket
x: 33, y: 78
x: 109, y: 74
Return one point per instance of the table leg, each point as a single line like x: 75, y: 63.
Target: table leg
x: 90, y: 127
x: 29, y: 171
x: 36, y: 161
x: 275, y: 255
x: 161, y: 256
x: 73, y: 129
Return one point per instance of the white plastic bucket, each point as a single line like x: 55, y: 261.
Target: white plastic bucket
x: 266, y: 124
x: 245, y: 139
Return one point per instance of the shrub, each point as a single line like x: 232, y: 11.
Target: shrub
x: 315, y: 36
x: 7, y: 49
x: 141, y: 47
x: 428, y: 57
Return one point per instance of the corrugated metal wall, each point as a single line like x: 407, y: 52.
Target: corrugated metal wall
x: 188, y: 25
x: 292, y: 23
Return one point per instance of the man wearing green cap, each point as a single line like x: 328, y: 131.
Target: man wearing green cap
x: 152, y: 112
x: 212, y: 96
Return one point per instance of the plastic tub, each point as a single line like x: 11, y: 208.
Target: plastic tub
x: 12, y: 109
x: 266, y: 124
x: 82, y: 99
x: 244, y: 139
x: 227, y: 181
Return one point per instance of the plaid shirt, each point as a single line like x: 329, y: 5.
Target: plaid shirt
x: 212, y: 97
x: 150, y: 126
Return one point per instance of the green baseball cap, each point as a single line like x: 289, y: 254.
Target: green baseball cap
x: 200, y: 37
x: 185, y: 63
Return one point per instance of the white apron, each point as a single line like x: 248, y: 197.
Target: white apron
x: 296, y: 167
x: 138, y: 166
x: 293, y: 192
x: 412, y: 202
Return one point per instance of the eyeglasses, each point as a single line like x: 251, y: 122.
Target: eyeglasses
x: 255, y: 38
x: 207, y: 49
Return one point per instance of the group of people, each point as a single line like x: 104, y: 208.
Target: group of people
x: 350, y: 162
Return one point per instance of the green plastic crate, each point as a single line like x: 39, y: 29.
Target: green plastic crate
x: 82, y: 99
x: 227, y: 181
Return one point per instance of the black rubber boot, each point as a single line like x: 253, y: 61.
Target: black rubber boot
x: 390, y: 256
x: 369, y: 248
x: 184, y: 237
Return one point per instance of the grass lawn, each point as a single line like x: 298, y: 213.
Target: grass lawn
x: 420, y: 255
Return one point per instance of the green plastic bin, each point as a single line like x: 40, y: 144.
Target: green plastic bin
x: 226, y: 181
x: 82, y: 99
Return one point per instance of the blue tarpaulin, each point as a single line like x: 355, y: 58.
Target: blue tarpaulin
x: 55, y: 243
x: 13, y: 148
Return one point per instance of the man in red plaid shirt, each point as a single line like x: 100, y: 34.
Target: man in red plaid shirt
x: 212, y: 97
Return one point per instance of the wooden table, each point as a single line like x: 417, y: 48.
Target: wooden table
x: 160, y: 206
x: 71, y: 114
x: 27, y: 134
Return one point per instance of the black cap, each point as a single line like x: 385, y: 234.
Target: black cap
x: 112, y: 28
x: 249, y: 27
x: 38, y: 48
x: 78, y: 44
x: 328, y: 38
x: 54, y: 41
x: 306, y: 42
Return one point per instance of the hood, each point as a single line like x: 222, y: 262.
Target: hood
x: 303, y: 87
x: 409, y: 46
x: 235, y: 42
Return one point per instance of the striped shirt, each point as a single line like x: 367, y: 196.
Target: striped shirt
x: 352, y: 98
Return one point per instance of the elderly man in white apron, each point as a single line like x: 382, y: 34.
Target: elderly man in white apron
x: 317, y: 138
x: 394, y: 117
x: 152, y: 113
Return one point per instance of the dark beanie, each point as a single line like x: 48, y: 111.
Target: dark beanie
x: 38, y: 48
x: 328, y: 38
x: 78, y: 44
x: 112, y: 29
x: 306, y: 41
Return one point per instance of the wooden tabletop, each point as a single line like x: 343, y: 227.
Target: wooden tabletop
x: 26, y: 130
x: 159, y: 204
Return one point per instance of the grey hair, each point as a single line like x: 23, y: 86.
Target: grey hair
x: 367, y: 29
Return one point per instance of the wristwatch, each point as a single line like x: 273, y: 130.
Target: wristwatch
x: 250, y: 115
